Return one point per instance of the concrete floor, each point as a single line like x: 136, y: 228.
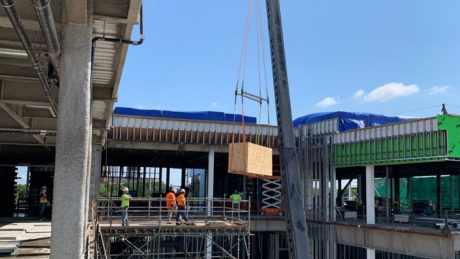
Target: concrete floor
x: 25, y: 239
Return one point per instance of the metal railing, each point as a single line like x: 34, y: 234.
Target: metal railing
x: 108, y: 210
x: 447, y: 220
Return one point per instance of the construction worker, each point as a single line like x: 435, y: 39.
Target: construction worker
x: 43, y: 202
x: 236, y: 199
x: 171, y: 204
x: 181, y: 203
x: 125, y: 198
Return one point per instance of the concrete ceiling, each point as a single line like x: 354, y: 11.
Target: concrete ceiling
x: 26, y: 117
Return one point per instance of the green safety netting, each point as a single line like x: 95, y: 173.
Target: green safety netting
x: 417, y: 189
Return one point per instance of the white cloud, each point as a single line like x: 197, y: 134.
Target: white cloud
x: 327, y: 102
x: 439, y: 89
x: 214, y: 105
x: 390, y: 91
x: 359, y: 94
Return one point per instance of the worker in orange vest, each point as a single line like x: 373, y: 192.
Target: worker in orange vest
x: 171, y: 203
x: 181, y: 202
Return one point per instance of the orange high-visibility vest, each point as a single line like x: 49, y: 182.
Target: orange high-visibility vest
x: 170, y: 199
x: 181, y: 200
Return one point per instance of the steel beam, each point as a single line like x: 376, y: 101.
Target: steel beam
x: 297, y: 225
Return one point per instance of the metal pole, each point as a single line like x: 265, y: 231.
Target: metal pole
x: 297, y: 228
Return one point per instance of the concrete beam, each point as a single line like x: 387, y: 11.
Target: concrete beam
x: 13, y: 114
x: 98, y: 124
x: 77, y: 11
x: 112, y: 19
x: 15, y: 62
x: 29, y: 24
x: 20, y: 120
x: 14, y: 77
x: 165, y: 146
x: 268, y: 225
x: 102, y: 94
x: 427, y: 244
x: 25, y: 92
x: 18, y: 45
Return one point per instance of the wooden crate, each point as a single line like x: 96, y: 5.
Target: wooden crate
x: 250, y: 159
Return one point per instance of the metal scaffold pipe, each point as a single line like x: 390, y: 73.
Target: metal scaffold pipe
x: 48, y: 27
x: 10, y: 9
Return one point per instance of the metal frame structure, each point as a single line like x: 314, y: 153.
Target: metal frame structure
x: 216, y: 230
x: 179, y: 131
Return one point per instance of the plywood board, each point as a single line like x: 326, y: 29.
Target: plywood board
x: 250, y: 159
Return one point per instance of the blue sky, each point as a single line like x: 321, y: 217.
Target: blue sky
x: 382, y: 56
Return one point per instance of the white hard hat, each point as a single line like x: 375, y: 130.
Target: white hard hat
x: 182, y: 191
x: 125, y: 189
x: 174, y: 190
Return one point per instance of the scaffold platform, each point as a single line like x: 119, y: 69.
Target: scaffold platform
x: 215, y: 229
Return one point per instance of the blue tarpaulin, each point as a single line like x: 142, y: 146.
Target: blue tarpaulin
x: 205, y: 116
x: 348, y: 120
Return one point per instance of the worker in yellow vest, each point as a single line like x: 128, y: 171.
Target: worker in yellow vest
x: 125, y: 198
x: 236, y: 199
x: 181, y: 203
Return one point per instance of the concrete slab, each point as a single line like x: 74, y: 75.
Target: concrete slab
x: 11, y: 235
x: 39, y: 229
x: 33, y: 236
x: 31, y: 251
x: 27, y: 257
x: 7, y: 247
x: 44, y: 243
x: 16, y: 227
x: 25, y: 231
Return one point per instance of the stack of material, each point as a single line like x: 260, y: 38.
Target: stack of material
x: 250, y: 159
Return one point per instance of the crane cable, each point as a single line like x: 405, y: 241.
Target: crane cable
x: 262, y: 79
x: 261, y: 57
x: 239, y: 89
x: 241, y: 70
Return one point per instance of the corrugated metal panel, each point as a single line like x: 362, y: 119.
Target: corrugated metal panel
x: 390, y: 130
x: 106, y: 57
x: 322, y: 128
x: 129, y: 128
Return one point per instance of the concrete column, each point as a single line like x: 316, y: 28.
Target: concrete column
x: 210, y: 193
x: 438, y: 194
x: 388, y: 191
x: 210, y: 196
x: 96, y: 167
x: 333, y: 194
x: 72, y: 145
x: 370, y: 195
x: 370, y: 253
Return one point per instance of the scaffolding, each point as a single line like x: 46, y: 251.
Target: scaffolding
x: 216, y: 228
